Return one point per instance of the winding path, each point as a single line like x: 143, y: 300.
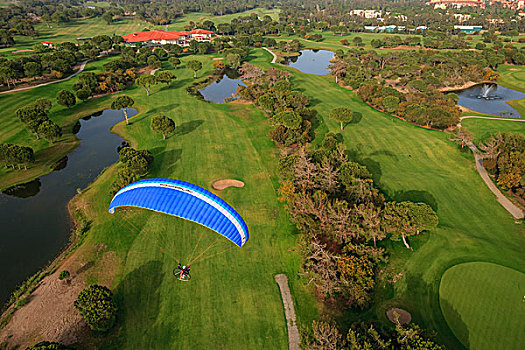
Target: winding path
x: 274, y: 60
x: 80, y: 70
x: 513, y: 209
x: 491, y: 118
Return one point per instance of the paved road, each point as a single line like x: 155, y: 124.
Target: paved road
x: 274, y: 60
x: 80, y: 70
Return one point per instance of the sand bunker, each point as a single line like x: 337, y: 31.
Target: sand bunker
x: 404, y: 316
x: 222, y: 184
x: 514, y: 69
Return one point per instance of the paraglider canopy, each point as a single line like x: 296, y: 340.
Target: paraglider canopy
x: 185, y: 200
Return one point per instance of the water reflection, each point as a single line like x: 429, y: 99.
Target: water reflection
x: 34, y: 216
x: 311, y: 61
x: 223, y: 88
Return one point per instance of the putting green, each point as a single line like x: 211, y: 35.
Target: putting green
x: 484, y: 305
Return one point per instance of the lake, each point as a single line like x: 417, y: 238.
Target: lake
x: 223, y: 88
x: 312, y: 61
x: 490, y: 99
x: 35, y: 221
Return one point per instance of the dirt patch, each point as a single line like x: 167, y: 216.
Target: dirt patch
x: 223, y: 184
x: 240, y: 101
x: 24, y: 50
x: 217, y: 58
x: 404, y: 316
x: 50, y: 314
x: 467, y: 85
x: 514, y: 69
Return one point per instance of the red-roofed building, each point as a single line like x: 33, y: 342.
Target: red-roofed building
x: 163, y: 37
x: 47, y: 43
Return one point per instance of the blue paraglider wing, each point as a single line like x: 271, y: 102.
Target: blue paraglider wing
x: 185, y: 200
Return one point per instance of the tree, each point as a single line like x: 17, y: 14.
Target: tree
x: 83, y: 94
x: 166, y: 77
x: 123, y: 102
x: 289, y: 119
x: 45, y: 345
x: 342, y: 114
x: 32, y: 69
x: 233, y: 60
x: 50, y: 130
x: 390, y: 103
x: 153, y: 61
x: 407, y: 218
x: 66, y: 98
x: 97, y: 307
x: 146, y: 81
x: 162, y: 125
x: 174, y: 61
x: 358, y: 41
x: 107, y: 17
x: 325, y: 336
x: 194, y: 65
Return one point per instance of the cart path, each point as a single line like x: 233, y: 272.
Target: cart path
x: 293, y: 333
x: 80, y: 70
x: 274, y: 60
x: 491, y: 118
x: 513, y: 209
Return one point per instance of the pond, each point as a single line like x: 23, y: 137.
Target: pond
x: 312, y: 61
x: 35, y: 221
x: 490, y: 99
x: 223, y: 88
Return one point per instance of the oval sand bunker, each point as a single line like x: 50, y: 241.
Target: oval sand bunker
x: 222, y: 184
x: 404, y: 316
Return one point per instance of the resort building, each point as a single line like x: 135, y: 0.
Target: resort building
x: 455, y: 3
x: 181, y: 38
x: 469, y: 29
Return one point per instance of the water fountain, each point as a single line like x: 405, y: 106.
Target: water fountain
x: 485, y: 90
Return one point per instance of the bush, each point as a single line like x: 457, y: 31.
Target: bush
x: 45, y: 345
x: 64, y: 275
x: 96, y: 306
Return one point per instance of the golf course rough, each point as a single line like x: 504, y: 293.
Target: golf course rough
x: 484, y: 305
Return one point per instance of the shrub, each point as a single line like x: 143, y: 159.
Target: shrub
x: 96, y: 306
x: 45, y: 345
x: 64, y: 275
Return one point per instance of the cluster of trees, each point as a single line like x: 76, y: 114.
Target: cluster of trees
x: 15, y: 155
x: 342, y: 217
x: 505, y: 159
x: 58, y: 61
x: 408, y: 83
x: 367, y: 336
x: 331, y: 200
x: 288, y: 110
x: 97, y: 307
x: 34, y: 116
x: 134, y: 165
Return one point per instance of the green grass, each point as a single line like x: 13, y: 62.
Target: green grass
x: 413, y: 163
x: 13, y: 130
x: 512, y: 76
x: 232, y: 299
x: 483, y: 304
x: 482, y: 128
x: 199, y: 17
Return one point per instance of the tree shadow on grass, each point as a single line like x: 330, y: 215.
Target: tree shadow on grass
x: 166, y: 159
x: 187, y: 127
x: 416, y: 197
x: 373, y: 166
x: 138, y: 297
x: 455, y: 322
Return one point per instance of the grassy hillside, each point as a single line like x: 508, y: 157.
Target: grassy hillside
x: 411, y: 163
x: 477, y: 306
